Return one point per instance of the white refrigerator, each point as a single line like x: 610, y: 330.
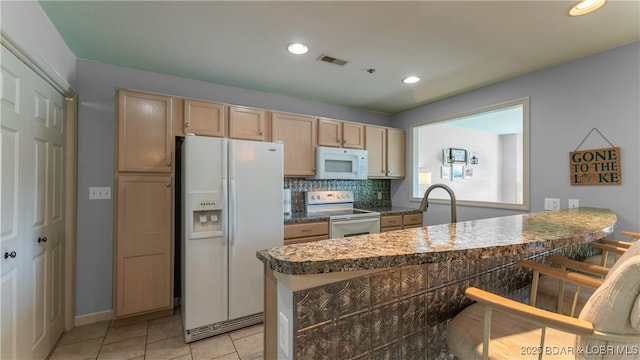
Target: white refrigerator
x: 231, y: 201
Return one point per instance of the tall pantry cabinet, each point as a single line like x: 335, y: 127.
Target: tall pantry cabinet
x: 144, y: 205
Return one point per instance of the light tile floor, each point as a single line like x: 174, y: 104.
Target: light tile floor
x: 159, y: 339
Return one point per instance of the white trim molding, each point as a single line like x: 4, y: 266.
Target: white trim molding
x: 94, y: 317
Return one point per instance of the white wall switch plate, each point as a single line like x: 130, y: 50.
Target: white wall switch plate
x: 574, y: 203
x: 99, y: 193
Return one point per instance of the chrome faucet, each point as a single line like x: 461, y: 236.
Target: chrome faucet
x: 425, y: 200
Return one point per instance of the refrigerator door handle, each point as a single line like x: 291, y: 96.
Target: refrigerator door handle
x: 233, y: 212
x: 225, y: 222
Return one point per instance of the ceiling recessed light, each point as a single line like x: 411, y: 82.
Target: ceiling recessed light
x: 585, y: 6
x: 411, y: 80
x: 297, y: 48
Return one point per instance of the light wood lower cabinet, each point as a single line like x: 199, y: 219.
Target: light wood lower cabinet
x: 298, y: 233
x: 399, y: 222
x: 390, y: 223
x: 411, y: 220
x: 144, y: 245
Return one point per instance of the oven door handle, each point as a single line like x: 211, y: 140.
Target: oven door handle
x: 359, y: 220
x: 356, y: 234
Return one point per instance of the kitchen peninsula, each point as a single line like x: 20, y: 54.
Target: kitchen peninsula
x: 390, y: 295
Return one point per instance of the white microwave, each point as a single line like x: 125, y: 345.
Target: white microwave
x: 338, y: 163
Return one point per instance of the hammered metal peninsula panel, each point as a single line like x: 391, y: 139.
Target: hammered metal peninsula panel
x: 389, y: 352
x: 414, y: 279
x: 437, y: 305
x: 317, y: 343
x: 413, y: 347
x: 413, y: 316
x: 352, y: 296
x: 385, y: 325
x: 354, y: 336
x: 437, y: 274
x: 385, y: 287
x: 314, y: 306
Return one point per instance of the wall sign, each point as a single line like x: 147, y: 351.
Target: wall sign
x: 595, y: 167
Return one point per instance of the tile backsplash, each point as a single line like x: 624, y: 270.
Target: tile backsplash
x: 365, y: 192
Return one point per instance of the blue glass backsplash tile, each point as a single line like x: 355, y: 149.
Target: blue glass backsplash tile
x: 365, y: 191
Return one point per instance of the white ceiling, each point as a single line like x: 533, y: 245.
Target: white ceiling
x: 454, y: 46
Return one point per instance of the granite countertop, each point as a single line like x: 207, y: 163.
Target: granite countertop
x: 475, y: 239
x: 302, y: 217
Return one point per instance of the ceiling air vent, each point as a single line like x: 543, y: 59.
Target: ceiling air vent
x: 332, y: 60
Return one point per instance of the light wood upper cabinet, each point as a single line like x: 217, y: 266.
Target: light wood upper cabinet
x: 329, y: 133
x: 337, y: 133
x: 376, y: 146
x: 178, y: 116
x: 205, y: 118
x: 143, y: 270
x: 352, y: 136
x: 395, y: 153
x: 385, y: 148
x: 249, y: 123
x: 298, y: 133
x: 144, y: 132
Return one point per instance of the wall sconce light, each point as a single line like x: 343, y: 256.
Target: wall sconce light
x: 474, y: 159
x: 424, y: 178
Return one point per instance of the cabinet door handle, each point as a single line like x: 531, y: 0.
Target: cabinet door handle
x: 186, y: 125
x: 168, y: 184
x: 10, y: 255
x: 306, y: 230
x: 338, y: 141
x: 42, y: 239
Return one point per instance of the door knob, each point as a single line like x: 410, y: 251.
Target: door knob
x: 42, y: 239
x: 10, y: 254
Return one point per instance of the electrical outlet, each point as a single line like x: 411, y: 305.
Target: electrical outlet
x: 379, y: 195
x: 551, y: 204
x: 574, y: 203
x: 283, y: 334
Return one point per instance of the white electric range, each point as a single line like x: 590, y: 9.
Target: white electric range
x: 344, y: 220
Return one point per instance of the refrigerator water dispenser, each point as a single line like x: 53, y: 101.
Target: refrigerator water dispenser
x: 206, y: 215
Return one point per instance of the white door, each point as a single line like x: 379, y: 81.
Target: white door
x: 32, y: 194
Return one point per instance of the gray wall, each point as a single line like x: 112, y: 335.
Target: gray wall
x: 96, y: 84
x: 566, y: 102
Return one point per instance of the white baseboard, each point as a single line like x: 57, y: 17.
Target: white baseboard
x: 94, y: 317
